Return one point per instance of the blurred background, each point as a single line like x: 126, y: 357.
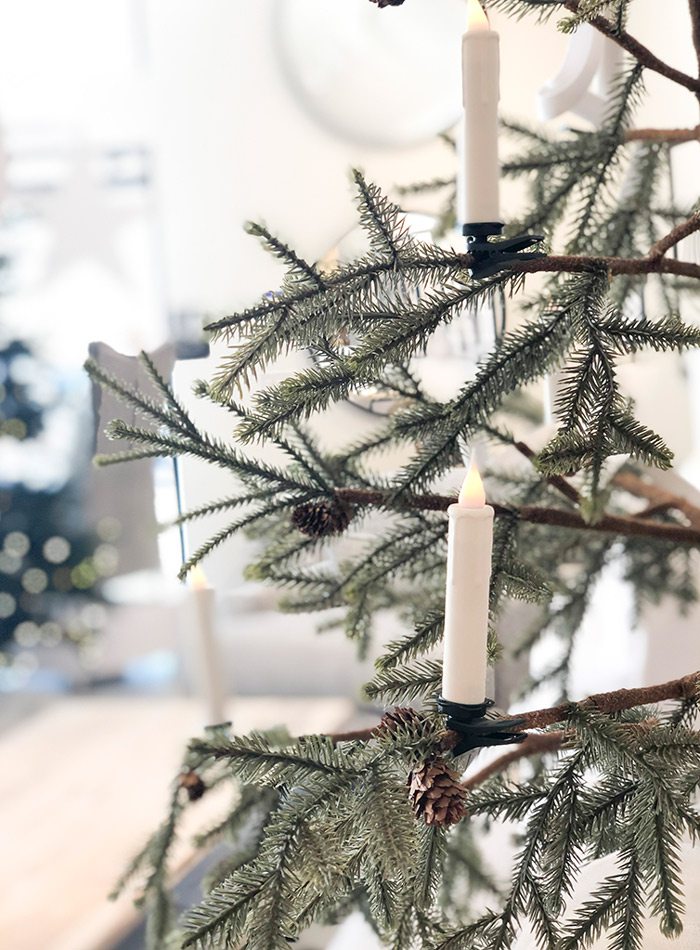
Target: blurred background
x: 136, y: 138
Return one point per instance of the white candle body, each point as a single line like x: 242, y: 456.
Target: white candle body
x: 478, y: 185
x: 209, y: 679
x: 469, y: 543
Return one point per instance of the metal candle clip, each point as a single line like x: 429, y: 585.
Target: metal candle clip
x: 475, y: 729
x: 491, y: 256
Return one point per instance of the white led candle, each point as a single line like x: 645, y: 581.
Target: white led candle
x: 478, y: 179
x: 469, y: 542
x: 209, y: 670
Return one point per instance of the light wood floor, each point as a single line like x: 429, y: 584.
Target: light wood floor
x: 82, y: 783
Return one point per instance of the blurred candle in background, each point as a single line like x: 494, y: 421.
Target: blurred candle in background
x: 208, y: 675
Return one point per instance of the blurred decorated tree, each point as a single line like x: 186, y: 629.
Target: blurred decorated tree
x: 51, y: 562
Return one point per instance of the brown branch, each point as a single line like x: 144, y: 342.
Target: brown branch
x: 659, y: 499
x: 683, y: 230
x: 624, y: 525
x: 539, y: 743
x: 556, y: 481
x: 355, y: 735
x: 615, y: 266
x: 667, y: 136
x: 609, y: 524
x: 582, y: 264
x: 536, y: 743
x: 685, y: 687
x: 694, y: 6
x: 641, y: 53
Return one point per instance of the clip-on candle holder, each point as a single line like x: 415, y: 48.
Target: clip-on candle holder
x: 475, y: 729
x: 491, y: 256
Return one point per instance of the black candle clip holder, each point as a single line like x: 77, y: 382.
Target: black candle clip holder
x: 475, y: 729
x: 489, y: 257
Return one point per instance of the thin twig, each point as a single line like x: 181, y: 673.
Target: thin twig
x: 556, y: 481
x: 683, y: 230
x: 355, y: 735
x: 537, y: 743
x: 666, y: 136
x: 694, y: 6
x: 540, y: 743
x: 660, y: 500
x: 641, y: 53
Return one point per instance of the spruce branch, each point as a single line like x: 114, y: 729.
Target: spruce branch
x: 300, y: 268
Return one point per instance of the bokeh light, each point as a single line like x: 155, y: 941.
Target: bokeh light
x: 9, y: 563
x: 8, y: 605
x: 16, y: 544
x: 106, y: 560
x: 109, y: 528
x: 35, y: 581
x: 51, y: 633
x: 27, y: 634
x: 56, y: 550
x: 84, y: 575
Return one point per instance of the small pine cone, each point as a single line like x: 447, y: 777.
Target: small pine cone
x: 435, y: 794
x: 321, y: 519
x: 400, y: 717
x: 387, y: 3
x: 193, y: 785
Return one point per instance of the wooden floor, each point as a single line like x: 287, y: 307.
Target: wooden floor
x: 82, y: 783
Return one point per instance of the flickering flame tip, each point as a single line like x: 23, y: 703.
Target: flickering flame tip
x: 472, y: 494
x: 198, y: 579
x: 477, y: 18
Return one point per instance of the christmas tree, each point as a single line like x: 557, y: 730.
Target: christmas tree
x: 51, y: 563
x: 381, y: 819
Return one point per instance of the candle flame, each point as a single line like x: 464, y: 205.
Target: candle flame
x: 476, y: 16
x: 472, y: 494
x: 198, y: 579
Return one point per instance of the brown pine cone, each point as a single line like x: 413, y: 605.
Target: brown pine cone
x: 400, y: 717
x: 193, y: 785
x: 322, y: 519
x: 435, y: 794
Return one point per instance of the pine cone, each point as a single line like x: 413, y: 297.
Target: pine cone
x: 401, y: 717
x: 322, y: 519
x: 435, y: 794
x: 193, y: 785
x: 387, y: 3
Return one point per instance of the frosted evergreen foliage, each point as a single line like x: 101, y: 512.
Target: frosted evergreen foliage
x: 319, y: 825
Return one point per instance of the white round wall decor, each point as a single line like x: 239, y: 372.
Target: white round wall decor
x: 379, y: 77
